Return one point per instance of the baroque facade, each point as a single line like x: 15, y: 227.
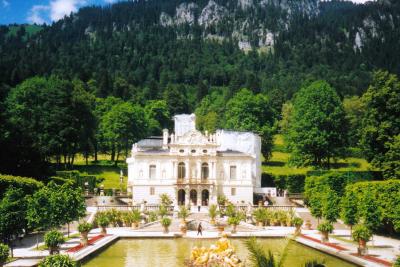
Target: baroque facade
x: 194, y: 168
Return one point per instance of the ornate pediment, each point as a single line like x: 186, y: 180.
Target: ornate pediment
x: 193, y: 137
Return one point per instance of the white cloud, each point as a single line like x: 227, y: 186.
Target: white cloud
x: 54, y: 11
x: 60, y: 8
x: 37, y: 14
x: 5, y: 3
x: 110, y: 1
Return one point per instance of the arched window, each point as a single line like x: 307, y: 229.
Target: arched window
x: 152, y: 171
x: 204, y: 171
x: 181, y: 170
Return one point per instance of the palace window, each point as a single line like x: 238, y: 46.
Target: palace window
x: 181, y: 170
x: 204, y: 171
x: 232, y: 172
x: 152, y: 172
x: 152, y: 191
x: 233, y: 191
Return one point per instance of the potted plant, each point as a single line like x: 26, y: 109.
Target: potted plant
x: 325, y: 228
x: 166, y: 222
x: 297, y: 222
x: 397, y: 262
x: 260, y: 216
x: 183, y: 213
x: 213, y: 212
x: 103, y: 222
x: 234, y: 221
x: 135, y: 218
x: 4, y: 253
x: 362, y: 235
x: 84, y: 228
x: 53, y: 239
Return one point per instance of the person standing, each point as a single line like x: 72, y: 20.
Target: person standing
x: 200, y: 229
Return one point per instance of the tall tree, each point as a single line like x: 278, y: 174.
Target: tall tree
x: 13, y: 213
x: 246, y: 111
x: 175, y: 96
x: 124, y: 124
x: 317, y: 132
x: 381, y: 121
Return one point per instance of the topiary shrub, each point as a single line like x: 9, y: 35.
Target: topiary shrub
x: 53, y: 239
x: 4, y: 253
x: 297, y: 222
x: 57, y: 261
x: 85, y: 227
x: 325, y: 227
x: 361, y: 232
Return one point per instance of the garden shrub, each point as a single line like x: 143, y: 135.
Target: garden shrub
x: 53, y: 239
x: 28, y: 185
x: 378, y: 203
x: 79, y: 178
x: 4, y: 253
x: 293, y: 183
x: 57, y: 261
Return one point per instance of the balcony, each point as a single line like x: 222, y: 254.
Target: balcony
x: 194, y: 181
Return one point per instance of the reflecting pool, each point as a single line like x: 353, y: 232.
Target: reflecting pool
x: 174, y: 252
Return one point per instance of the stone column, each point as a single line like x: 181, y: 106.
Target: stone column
x: 187, y: 170
x: 199, y: 196
x: 198, y: 165
x: 187, y: 195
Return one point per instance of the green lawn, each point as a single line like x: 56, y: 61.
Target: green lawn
x: 104, y: 168
x: 278, y: 163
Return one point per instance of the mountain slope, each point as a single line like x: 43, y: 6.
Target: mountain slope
x: 272, y: 46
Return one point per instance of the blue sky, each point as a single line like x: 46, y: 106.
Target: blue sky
x: 46, y: 11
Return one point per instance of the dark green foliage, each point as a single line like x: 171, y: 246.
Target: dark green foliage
x: 246, y: 111
x: 258, y: 257
x: 13, y: 214
x: 79, y: 179
x: 377, y: 204
x: 55, y: 205
x: 349, y: 212
x: 4, y: 252
x: 361, y: 232
x: 381, y: 123
x: 314, y: 263
x: 317, y: 132
x: 53, y: 239
x: 27, y: 185
x: 57, y: 261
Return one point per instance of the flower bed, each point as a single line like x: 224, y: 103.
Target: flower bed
x: 373, y: 259
x: 326, y: 244
x: 90, y: 242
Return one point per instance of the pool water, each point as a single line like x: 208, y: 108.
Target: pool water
x: 174, y: 252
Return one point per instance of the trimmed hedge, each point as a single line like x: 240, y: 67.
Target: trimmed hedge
x: 357, y: 175
x: 293, y: 183
x: 336, y: 181
x: 28, y: 185
x: 78, y: 178
x: 386, y: 195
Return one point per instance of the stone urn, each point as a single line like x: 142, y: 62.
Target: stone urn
x: 298, y: 230
x: 308, y: 224
x: 260, y: 224
x: 233, y: 231
x: 135, y: 225
x: 325, y: 237
x: 84, y: 238
x: 362, y: 247
x: 103, y: 230
x: 166, y: 229
x: 220, y: 228
x: 183, y: 227
x: 212, y: 221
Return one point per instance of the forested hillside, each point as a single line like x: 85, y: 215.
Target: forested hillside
x: 151, y: 59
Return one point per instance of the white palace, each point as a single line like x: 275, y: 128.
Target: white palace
x: 194, y: 168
